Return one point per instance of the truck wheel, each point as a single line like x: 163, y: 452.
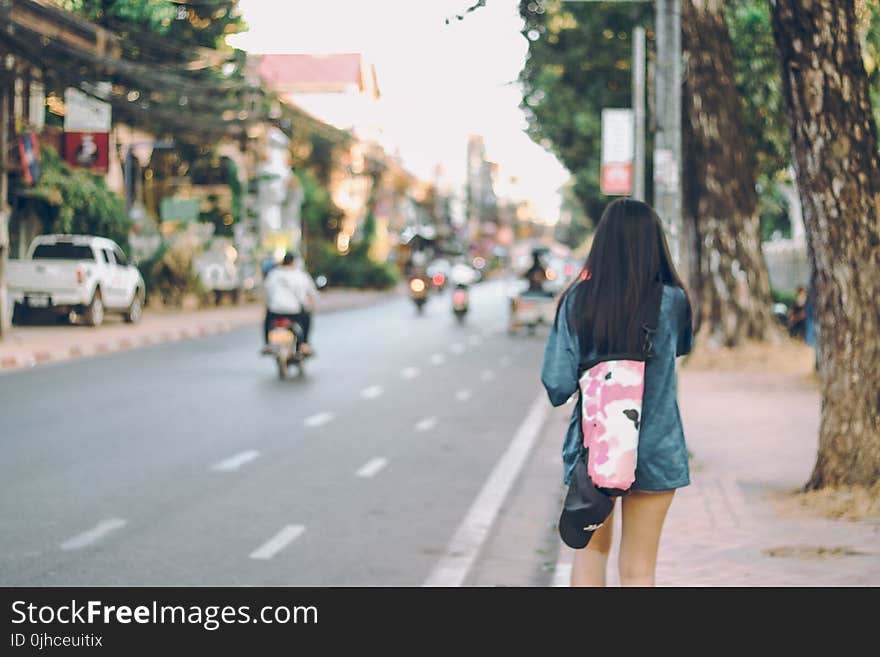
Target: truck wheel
x: 136, y: 309
x: 94, y: 314
x: 20, y: 314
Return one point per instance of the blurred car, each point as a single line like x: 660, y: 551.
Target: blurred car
x: 75, y: 276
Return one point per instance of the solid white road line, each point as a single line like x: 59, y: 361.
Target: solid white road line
x: 371, y: 468
x: 410, y: 372
x: 453, y: 569
x: 487, y: 375
x: 463, y: 395
x: 235, y: 462
x: 318, y: 419
x: 281, y: 540
x: 437, y: 359
x: 427, y: 424
x: 93, y: 535
x: 372, y: 392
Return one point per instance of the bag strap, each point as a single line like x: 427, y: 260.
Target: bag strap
x: 651, y: 318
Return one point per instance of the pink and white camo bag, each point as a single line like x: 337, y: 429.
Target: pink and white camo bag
x: 611, y: 408
x: 611, y: 392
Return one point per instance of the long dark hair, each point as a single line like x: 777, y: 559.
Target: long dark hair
x: 628, y: 257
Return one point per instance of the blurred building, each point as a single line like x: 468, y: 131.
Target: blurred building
x: 341, y: 89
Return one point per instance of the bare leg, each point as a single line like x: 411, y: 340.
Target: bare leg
x: 643, y: 516
x: 589, y: 565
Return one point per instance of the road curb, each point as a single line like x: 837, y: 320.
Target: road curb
x: 161, y: 335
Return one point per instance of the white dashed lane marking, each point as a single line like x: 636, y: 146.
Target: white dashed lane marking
x: 457, y: 348
x: 487, y: 375
x: 475, y: 340
x: 506, y: 360
x: 281, y: 540
x: 93, y: 535
x: 235, y: 462
x: 318, y: 419
x: 427, y: 424
x: 372, y: 392
x: 371, y: 467
x: 410, y: 372
x: 463, y: 395
x: 437, y: 359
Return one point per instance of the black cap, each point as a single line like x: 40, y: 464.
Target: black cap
x: 586, y: 508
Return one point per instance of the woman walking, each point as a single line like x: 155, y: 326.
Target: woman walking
x: 600, y: 315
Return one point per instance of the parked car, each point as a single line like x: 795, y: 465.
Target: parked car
x: 83, y: 275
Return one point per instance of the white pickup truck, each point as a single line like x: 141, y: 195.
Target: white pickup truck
x: 80, y: 274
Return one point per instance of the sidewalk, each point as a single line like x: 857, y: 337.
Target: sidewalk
x: 752, y: 427
x: 27, y: 346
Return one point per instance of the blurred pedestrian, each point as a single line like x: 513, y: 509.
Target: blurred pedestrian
x: 596, y: 317
x: 536, y: 275
x: 797, y: 314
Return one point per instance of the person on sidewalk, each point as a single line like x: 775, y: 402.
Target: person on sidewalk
x: 291, y: 293
x: 599, y: 316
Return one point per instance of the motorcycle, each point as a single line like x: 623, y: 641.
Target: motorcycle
x: 418, y: 289
x: 460, y: 300
x: 284, y: 344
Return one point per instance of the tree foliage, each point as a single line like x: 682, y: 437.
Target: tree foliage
x: 579, y: 61
x: 76, y: 201
x: 195, y: 24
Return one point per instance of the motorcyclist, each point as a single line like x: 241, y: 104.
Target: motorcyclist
x: 536, y: 275
x: 290, y: 293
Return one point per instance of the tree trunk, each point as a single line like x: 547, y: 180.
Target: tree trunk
x: 834, y: 141
x: 729, y: 280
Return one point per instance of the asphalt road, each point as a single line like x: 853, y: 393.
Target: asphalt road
x: 191, y: 464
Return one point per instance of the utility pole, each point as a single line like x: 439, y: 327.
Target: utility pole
x: 638, y: 103
x: 5, y: 83
x: 667, y: 142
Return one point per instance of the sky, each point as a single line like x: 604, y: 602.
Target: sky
x: 439, y: 82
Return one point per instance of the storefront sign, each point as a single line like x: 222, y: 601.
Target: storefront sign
x: 616, y: 176
x: 89, y: 150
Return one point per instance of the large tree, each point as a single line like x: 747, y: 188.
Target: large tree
x: 728, y: 276
x: 834, y: 141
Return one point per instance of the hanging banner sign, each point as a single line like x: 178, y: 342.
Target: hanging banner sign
x: 616, y: 177
x: 29, y: 153
x: 84, y: 113
x: 88, y: 150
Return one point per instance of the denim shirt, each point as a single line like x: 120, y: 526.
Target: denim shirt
x: 662, y: 462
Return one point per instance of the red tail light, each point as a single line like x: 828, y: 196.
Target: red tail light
x: 459, y: 297
x: 569, y: 270
x: 282, y: 323
x: 439, y: 279
x: 80, y: 276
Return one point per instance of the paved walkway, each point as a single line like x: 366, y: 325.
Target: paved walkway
x: 753, y: 434
x: 27, y: 346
